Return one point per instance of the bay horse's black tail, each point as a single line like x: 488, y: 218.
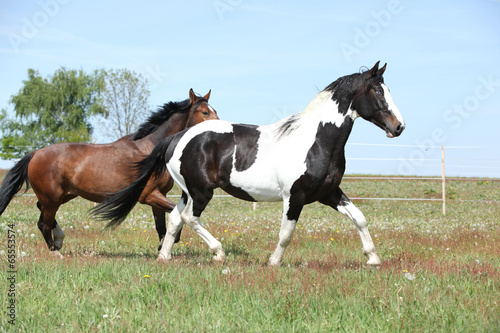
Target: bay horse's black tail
x: 118, y: 206
x: 14, y: 180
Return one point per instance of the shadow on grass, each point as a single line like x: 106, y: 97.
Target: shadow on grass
x: 123, y: 254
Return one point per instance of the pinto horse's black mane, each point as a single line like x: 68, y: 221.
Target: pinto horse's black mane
x: 342, y: 90
x: 156, y: 119
x: 344, y: 87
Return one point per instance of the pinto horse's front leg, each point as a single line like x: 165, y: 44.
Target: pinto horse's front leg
x: 291, y: 212
x: 340, y: 202
x: 160, y: 203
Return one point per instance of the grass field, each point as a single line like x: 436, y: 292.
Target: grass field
x: 439, y: 274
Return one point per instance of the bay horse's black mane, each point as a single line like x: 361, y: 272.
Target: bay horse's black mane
x: 156, y: 119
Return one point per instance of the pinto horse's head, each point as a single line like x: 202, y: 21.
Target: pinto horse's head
x: 373, y: 102
x: 200, y: 109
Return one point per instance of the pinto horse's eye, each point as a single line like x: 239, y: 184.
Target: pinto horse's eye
x: 205, y: 113
x: 378, y: 92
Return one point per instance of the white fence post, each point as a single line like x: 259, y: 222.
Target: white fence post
x: 443, y: 180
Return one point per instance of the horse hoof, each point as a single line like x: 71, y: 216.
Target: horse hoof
x: 162, y: 260
x: 56, y: 254
x: 374, y: 267
x: 273, y: 262
x: 219, y: 258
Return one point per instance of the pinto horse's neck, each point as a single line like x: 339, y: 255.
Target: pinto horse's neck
x: 333, y: 126
x: 320, y: 133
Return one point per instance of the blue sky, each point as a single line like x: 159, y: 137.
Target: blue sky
x: 264, y: 61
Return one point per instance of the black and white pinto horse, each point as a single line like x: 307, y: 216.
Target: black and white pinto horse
x: 299, y: 160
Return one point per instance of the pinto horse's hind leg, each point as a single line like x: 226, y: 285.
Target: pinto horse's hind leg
x: 189, y: 212
x: 161, y: 226
x: 173, y: 228
x: 339, y: 201
x: 161, y: 205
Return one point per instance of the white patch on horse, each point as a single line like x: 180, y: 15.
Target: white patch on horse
x: 285, y: 236
x: 352, y: 113
x: 281, y: 160
x: 359, y: 220
x: 323, y: 109
x: 392, y: 107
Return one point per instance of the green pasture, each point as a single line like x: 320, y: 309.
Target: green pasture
x: 439, y: 273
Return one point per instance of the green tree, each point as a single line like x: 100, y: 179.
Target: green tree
x: 125, y: 97
x: 51, y: 110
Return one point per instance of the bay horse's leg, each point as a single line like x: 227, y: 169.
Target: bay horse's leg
x: 160, y: 224
x: 291, y: 212
x: 160, y: 204
x: 46, y: 224
x: 57, y: 231
x: 157, y: 199
x: 340, y: 202
x: 58, y: 235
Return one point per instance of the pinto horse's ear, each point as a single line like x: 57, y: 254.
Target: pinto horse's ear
x: 192, y: 96
x: 374, y: 70
x: 382, y: 70
x: 207, y: 96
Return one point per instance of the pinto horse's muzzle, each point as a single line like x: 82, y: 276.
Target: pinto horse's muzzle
x: 397, y: 132
x: 389, y: 122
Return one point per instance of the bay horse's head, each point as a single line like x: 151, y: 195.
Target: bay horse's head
x: 200, y: 109
x: 372, y: 101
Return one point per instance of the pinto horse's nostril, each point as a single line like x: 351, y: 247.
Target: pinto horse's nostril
x: 400, y: 129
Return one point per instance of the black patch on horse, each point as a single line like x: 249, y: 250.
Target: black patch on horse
x: 245, y: 140
x: 325, y: 163
x: 238, y: 192
x: 212, y: 166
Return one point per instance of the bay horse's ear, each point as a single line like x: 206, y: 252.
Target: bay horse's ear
x: 207, y: 96
x: 192, y: 96
x: 382, y: 70
x: 374, y: 70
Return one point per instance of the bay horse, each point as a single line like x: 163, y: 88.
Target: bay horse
x: 64, y: 171
x: 298, y: 160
